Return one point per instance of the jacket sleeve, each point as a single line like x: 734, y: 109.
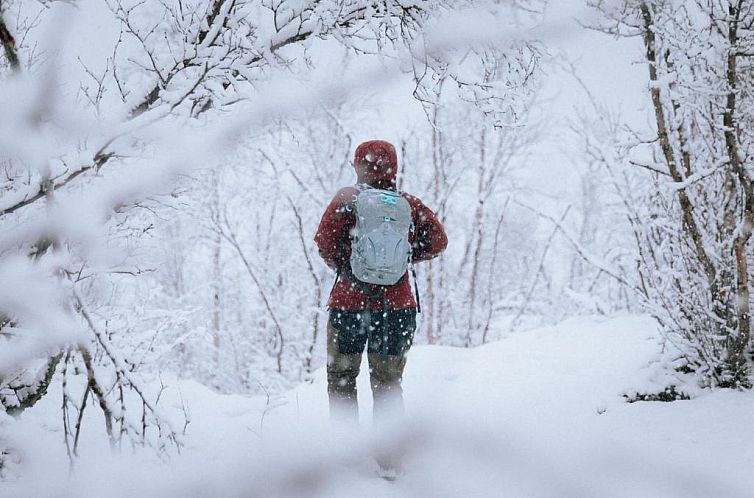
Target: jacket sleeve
x: 334, y: 232
x: 430, y: 238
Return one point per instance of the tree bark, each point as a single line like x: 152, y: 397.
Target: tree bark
x: 9, y: 45
x: 738, y: 343
x: 689, y: 225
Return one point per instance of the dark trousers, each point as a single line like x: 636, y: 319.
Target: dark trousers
x: 387, y: 336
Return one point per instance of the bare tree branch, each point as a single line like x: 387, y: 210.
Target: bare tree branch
x: 589, y: 258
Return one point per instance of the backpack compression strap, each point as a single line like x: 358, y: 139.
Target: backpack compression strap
x: 416, y: 290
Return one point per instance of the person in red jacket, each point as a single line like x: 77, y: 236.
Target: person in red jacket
x: 380, y: 318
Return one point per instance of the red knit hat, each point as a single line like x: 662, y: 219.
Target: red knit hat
x: 376, y: 162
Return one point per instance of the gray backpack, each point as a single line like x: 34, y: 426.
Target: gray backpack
x: 380, y: 250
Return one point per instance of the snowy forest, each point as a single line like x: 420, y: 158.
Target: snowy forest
x: 163, y: 303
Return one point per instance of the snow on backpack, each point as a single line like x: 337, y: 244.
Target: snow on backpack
x: 380, y: 250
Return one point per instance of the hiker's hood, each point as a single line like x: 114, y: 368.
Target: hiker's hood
x: 376, y: 164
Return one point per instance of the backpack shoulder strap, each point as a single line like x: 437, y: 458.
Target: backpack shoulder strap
x: 359, y: 187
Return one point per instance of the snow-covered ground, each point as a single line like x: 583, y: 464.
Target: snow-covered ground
x: 539, y: 413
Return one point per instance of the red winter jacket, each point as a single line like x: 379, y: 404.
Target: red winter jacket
x: 333, y: 236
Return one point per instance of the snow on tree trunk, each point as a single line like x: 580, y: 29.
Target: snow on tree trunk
x: 697, y: 218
